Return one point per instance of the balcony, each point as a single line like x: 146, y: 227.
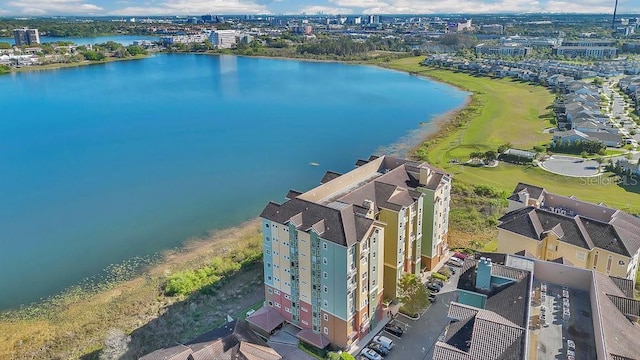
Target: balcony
x: 352, y: 271
x: 352, y: 286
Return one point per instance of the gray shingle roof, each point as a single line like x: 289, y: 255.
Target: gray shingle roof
x: 625, y: 285
x: 342, y: 226
x: 620, y: 335
x: 577, y: 230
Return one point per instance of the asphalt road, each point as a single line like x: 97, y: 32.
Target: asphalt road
x: 421, y: 335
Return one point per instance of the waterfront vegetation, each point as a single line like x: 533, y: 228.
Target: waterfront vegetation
x: 76, y: 323
x: 507, y: 111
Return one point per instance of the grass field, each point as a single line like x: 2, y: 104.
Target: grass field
x: 507, y: 111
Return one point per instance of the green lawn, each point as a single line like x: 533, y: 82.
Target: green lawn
x: 508, y: 111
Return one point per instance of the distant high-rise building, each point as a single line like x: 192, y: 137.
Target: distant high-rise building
x: 223, y: 39
x: 26, y: 36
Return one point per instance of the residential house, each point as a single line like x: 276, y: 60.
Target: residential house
x: 551, y: 226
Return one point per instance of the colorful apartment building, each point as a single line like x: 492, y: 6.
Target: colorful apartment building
x: 570, y: 231
x: 333, y: 253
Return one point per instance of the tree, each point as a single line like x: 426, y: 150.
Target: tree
x: 5, y: 45
x: 413, y: 294
x: 584, y: 154
x: 504, y: 147
x: 116, y: 345
x: 490, y: 156
x: 476, y: 155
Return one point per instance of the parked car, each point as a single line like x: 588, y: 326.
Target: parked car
x: 459, y: 255
x: 571, y: 345
x: 433, y: 287
x: 384, y: 341
x: 452, y: 269
x: 437, y: 282
x: 383, y: 351
x: 394, y: 329
x: 432, y: 297
x: 455, y: 262
x: 371, y: 355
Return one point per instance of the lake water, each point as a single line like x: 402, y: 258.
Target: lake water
x: 103, y: 163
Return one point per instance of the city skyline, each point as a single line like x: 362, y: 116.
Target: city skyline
x: 311, y: 7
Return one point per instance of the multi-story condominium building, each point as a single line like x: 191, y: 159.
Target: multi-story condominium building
x: 587, y: 48
x: 223, y: 39
x: 564, y: 229
x: 503, y: 50
x: 333, y: 253
x: 26, y: 36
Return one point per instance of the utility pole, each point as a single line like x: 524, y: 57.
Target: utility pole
x: 613, y: 22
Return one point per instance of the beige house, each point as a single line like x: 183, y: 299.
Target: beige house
x: 564, y: 229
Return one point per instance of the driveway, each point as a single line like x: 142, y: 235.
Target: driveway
x: 421, y: 335
x: 571, y: 166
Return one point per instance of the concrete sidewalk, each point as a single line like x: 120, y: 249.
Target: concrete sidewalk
x: 424, y: 276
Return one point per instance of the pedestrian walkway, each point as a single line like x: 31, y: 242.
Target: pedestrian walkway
x: 355, y: 349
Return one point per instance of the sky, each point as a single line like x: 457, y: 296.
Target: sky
x: 278, y: 7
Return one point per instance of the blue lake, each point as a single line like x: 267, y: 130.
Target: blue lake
x: 103, y: 163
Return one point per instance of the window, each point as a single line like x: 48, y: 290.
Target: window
x: 269, y: 278
x: 325, y: 289
x: 287, y: 296
x: 595, y: 260
x: 268, y: 252
x: 373, y: 268
x: 324, y: 245
x: 268, y: 264
x: 326, y: 330
x: 286, y: 309
x: 277, y: 292
x: 304, y: 309
x: 325, y: 303
x: 270, y: 290
x: 325, y: 261
x: 324, y: 275
x: 621, y: 262
x: 267, y: 238
x: 609, y: 261
x: 305, y: 322
x: 325, y: 317
x: 270, y: 303
x: 278, y: 305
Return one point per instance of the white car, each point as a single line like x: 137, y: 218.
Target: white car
x: 384, y: 341
x: 370, y: 354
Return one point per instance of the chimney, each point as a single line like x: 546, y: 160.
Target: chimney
x: 483, y: 274
x: 523, y: 197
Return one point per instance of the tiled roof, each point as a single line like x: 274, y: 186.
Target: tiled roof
x: 535, y: 192
x: 266, y: 319
x: 625, y: 285
x: 480, y: 335
x: 316, y: 339
x: 620, y: 335
x: 179, y: 352
x: 577, y: 230
x: 328, y: 176
x: 343, y: 226
x: 256, y: 352
x: 292, y: 194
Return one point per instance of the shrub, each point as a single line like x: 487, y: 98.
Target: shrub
x: 445, y: 271
x: 439, y: 276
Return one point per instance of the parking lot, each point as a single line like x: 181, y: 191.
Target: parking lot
x: 421, y: 335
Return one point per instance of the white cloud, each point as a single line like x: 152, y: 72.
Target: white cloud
x: 43, y: 7
x: 186, y: 7
x: 317, y: 9
x: 360, y: 3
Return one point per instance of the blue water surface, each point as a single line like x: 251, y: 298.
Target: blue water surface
x: 102, y: 163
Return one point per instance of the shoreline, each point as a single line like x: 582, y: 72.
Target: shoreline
x: 190, y: 254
